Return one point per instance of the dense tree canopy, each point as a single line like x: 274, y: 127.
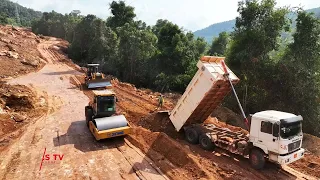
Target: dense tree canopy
x: 122, y: 14
x: 256, y: 34
x: 300, y: 80
x: 219, y: 45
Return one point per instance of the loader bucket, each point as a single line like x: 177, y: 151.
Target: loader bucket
x: 92, y: 84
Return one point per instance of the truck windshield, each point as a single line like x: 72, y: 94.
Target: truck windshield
x: 106, y: 104
x: 288, y: 130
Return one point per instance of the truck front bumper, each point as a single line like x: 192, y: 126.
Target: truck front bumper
x: 291, y: 157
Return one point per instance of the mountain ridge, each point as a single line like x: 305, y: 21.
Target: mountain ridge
x: 213, y: 30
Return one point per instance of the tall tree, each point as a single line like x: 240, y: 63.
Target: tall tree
x: 256, y: 34
x: 219, y: 45
x: 300, y: 67
x: 3, y: 19
x: 121, y: 14
x: 93, y: 41
x: 178, y: 55
x: 136, y: 49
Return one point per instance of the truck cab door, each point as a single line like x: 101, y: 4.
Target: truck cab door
x: 266, y: 137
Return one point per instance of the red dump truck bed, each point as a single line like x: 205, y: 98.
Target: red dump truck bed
x: 204, y: 93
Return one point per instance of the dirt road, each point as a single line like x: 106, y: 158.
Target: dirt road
x: 63, y: 134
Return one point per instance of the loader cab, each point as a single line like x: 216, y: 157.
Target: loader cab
x: 104, y: 103
x: 92, y: 69
x: 277, y: 134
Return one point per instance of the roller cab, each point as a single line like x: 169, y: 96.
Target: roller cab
x: 101, y: 117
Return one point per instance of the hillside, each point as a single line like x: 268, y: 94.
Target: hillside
x: 213, y: 30
x: 26, y: 15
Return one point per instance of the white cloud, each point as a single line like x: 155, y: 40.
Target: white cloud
x: 190, y: 14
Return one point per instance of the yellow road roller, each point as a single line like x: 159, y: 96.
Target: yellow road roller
x: 101, y: 117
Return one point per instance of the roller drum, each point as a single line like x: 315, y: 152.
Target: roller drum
x: 112, y: 122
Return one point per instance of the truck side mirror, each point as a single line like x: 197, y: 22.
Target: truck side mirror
x: 275, y: 130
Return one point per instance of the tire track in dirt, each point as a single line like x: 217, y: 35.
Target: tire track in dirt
x: 11, y: 166
x: 138, y: 101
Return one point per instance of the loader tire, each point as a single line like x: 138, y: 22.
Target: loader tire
x: 205, y: 142
x: 257, y: 159
x: 89, y: 114
x: 192, y: 136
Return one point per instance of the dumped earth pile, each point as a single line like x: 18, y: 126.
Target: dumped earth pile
x: 176, y: 161
x: 18, y: 54
x: 19, y: 105
x: 226, y: 115
x: 310, y: 164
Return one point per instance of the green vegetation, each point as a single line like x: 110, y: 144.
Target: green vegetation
x: 219, y: 45
x: 15, y: 14
x: 161, y: 57
x: 276, y: 73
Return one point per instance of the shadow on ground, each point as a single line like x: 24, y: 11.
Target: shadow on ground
x: 79, y: 135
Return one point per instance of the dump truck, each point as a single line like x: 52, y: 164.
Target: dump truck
x: 101, y: 117
x: 272, y: 135
x: 95, y: 79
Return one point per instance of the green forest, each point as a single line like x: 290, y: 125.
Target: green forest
x: 276, y: 73
x: 17, y: 15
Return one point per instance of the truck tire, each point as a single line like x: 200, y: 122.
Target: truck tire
x: 205, y: 142
x: 89, y: 114
x: 257, y: 159
x: 192, y: 136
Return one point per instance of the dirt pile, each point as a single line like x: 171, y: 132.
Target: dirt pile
x: 175, y: 161
x: 310, y: 164
x: 226, y: 115
x: 19, y: 105
x: 147, y: 95
x: 18, y: 54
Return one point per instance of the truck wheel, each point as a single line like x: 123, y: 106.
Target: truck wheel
x: 205, y: 142
x: 192, y: 136
x: 89, y: 114
x: 257, y: 159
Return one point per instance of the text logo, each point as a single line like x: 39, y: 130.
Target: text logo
x: 50, y: 158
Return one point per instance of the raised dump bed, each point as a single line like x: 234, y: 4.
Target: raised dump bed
x: 204, y: 93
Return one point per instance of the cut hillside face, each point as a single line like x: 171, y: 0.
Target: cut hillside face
x: 18, y: 52
x: 19, y: 105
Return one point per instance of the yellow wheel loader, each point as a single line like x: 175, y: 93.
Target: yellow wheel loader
x: 94, y: 78
x: 101, y: 119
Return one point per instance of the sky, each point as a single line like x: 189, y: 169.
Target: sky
x: 192, y: 15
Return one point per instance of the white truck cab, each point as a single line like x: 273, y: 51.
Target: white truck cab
x: 277, y: 134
